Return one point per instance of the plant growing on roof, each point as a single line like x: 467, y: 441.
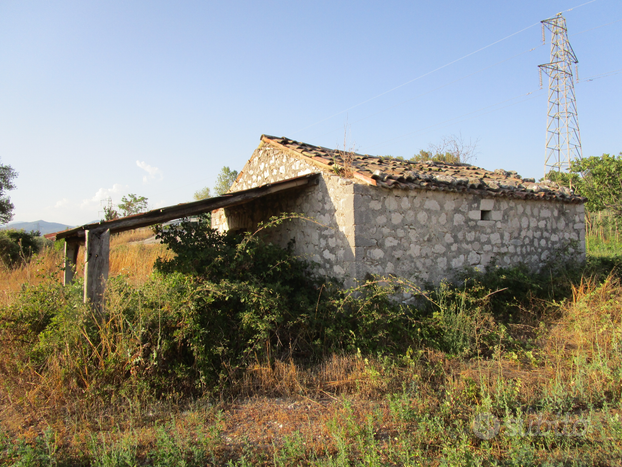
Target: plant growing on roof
x: 451, y: 149
x: 347, y: 157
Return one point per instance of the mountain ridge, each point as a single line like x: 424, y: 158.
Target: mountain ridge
x: 42, y: 226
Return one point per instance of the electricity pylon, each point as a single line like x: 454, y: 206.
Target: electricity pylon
x: 563, y: 140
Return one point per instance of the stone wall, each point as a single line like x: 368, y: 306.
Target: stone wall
x: 429, y: 235
x: 353, y: 229
x: 324, y: 235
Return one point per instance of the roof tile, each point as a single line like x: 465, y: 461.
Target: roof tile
x: 437, y: 176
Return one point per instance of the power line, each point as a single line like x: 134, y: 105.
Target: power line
x: 469, y: 115
x: 596, y: 27
x: 578, y: 6
x: 437, y: 88
x: 430, y: 72
x: 603, y: 75
x: 418, y: 78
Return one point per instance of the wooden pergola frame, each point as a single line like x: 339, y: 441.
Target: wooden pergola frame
x: 96, y: 237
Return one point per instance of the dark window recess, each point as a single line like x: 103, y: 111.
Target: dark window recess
x: 486, y: 215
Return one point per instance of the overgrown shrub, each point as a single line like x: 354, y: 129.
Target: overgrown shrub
x: 227, y: 302
x: 18, y: 246
x: 256, y: 301
x: 251, y: 298
x: 516, y: 293
x: 35, y: 309
x: 241, y: 302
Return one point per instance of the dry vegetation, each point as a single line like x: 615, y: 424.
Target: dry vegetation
x: 131, y: 253
x: 558, y: 366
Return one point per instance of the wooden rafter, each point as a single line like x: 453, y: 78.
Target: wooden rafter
x: 96, y: 237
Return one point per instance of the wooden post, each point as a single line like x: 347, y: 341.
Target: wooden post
x: 72, y: 245
x: 96, y: 256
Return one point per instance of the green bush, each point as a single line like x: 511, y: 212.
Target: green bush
x: 511, y: 291
x: 226, y: 302
x: 250, y: 297
x: 18, y: 246
x: 35, y: 309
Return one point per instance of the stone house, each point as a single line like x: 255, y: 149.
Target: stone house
x: 422, y: 221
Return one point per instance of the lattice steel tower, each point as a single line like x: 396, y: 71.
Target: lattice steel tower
x: 563, y: 140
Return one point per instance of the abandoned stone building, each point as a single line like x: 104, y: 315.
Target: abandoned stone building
x: 422, y: 221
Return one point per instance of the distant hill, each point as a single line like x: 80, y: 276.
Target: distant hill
x: 42, y: 226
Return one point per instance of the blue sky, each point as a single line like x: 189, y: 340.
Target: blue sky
x: 102, y: 99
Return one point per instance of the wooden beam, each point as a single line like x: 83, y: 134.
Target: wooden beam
x: 96, y: 237
x: 72, y: 246
x: 179, y: 211
x: 96, y: 256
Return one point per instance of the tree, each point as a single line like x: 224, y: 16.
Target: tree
x: 110, y: 213
x: 202, y: 194
x: 451, y: 149
x: 132, y: 204
x: 7, y: 174
x: 225, y: 179
x: 18, y: 246
x: 599, y: 179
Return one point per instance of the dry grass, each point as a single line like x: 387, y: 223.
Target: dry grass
x: 583, y: 349
x: 132, y: 254
x: 402, y: 410
x: 47, y: 263
x: 132, y: 236
x: 338, y: 375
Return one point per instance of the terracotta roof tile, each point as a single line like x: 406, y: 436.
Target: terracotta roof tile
x: 435, y: 176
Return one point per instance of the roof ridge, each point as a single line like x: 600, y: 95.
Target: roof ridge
x: 426, y: 175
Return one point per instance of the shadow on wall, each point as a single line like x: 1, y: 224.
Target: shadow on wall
x: 315, y: 236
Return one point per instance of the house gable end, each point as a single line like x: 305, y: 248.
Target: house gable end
x: 268, y: 165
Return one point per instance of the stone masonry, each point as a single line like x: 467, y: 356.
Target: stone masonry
x: 352, y: 228
x: 431, y: 235
x: 324, y: 235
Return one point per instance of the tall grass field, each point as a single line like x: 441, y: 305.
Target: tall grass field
x: 235, y: 355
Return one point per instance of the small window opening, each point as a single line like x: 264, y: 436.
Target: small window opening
x: 486, y: 215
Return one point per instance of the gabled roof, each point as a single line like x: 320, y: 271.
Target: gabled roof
x: 387, y: 172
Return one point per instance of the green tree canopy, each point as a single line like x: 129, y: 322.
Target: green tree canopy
x: 132, y: 204
x: 7, y: 175
x: 202, y: 194
x: 225, y: 179
x: 18, y: 246
x: 599, y: 179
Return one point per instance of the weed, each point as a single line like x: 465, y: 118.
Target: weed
x: 107, y: 452
x: 42, y: 452
x: 238, y: 358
